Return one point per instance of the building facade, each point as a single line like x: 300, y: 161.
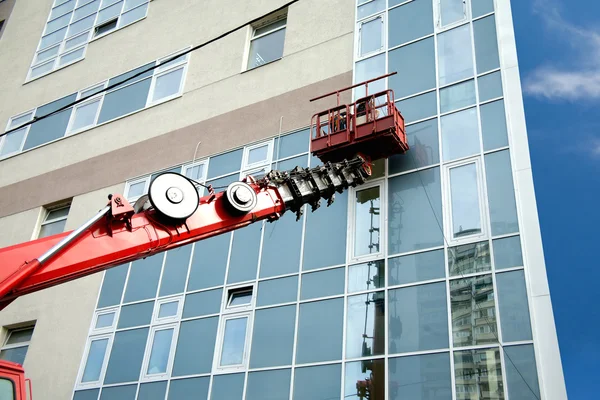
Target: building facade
x: 427, y: 282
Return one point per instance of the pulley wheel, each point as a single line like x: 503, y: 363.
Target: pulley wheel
x: 241, y: 197
x: 173, y: 195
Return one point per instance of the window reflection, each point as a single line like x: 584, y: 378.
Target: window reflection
x: 464, y: 191
x: 234, y: 341
x: 452, y: 11
x: 417, y: 267
x: 469, y: 258
x: 365, y: 328
x: 454, y: 54
x: 365, y: 380
x: 423, y: 377
x: 478, y: 375
x: 367, y: 217
x: 366, y: 276
x: 161, y: 348
x: 370, y: 36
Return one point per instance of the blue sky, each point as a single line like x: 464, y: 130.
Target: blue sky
x: 558, y: 43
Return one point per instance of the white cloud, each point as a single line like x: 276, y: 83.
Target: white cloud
x: 579, y: 78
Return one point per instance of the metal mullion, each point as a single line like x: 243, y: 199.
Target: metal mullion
x: 483, y: 16
x: 419, y: 169
x: 463, y: 80
x: 123, y: 87
x: 275, y: 277
x: 322, y: 269
x: 411, y: 42
x: 316, y: 299
x: 419, y: 353
x: 489, y: 72
x: 400, y: 4
x: 417, y: 283
x: 410, y: 96
x: 493, y: 100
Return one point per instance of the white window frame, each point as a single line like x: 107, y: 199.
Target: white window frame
x: 172, y: 318
x: 263, y: 171
x: 46, y: 212
x: 160, y: 71
x: 447, y: 198
x: 358, y: 40
x: 145, y: 180
x: 6, y: 346
x: 253, y: 36
x: 437, y: 14
x: 70, y: 131
x: 351, y: 245
x: 107, y: 329
x: 84, y: 360
x: 202, y: 177
x: 221, y: 341
x: 145, y: 376
x: 27, y: 128
x: 257, y: 165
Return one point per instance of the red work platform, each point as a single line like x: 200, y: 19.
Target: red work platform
x: 372, y: 126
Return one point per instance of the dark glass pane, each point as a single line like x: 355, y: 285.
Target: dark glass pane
x: 291, y: 163
x: 367, y: 221
x: 425, y: 377
x: 490, y: 86
x: 273, y: 337
x: 364, y: 377
x: 195, y: 347
x: 415, y: 64
x: 189, y: 389
x: 416, y: 267
x: 126, y: 356
x: 292, y: 144
x: 266, y: 49
x: 269, y: 385
x: 323, y: 283
x: 176, y: 170
x: 413, y: 225
x: 365, y: 325
x: 227, y: 387
x: 112, y: 286
x: 281, y: 246
x: 122, y: 80
x: 364, y: 70
x: 244, y: 253
x: 473, y: 311
x: 469, y: 258
x: 418, y: 318
x: 501, y: 193
x: 424, y: 148
x: 418, y: 107
x: 277, y: 291
x: 493, y: 125
x: 326, y: 222
x: 481, y: 7
x: 367, y: 276
x: 479, y: 371
x: 136, y: 315
x: 225, y: 163
x: 202, y: 303
x: 124, y: 101
x: 521, y: 373
x: 322, y: 382
x: 410, y: 21
x: 152, y: 391
x: 507, y: 252
x: 50, y: 128
x: 119, y: 392
x: 514, y: 306
x: 320, y: 329
x: 16, y: 354
x: 86, y: 394
x: 370, y: 8
x: 175, y: 271
x: 209, y: 262
x: 486, y: 44
x: 143, y: 278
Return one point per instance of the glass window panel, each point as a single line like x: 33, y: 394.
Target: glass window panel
x: 364, y: 377
x: 266, y: 49
x: 92, y: 90
x: 240, y: 298
x: 486, y: 44
x: 152, y: 391
x: 105, y: 28
x: 15, y: 354
x: 415, y: 64
x: 269, y: 385
x: 167, y: 84
x: 418, y: 107
x: 370, y: 8
x: 50, y: 128
x: 423, y: 142
x: 473, y: 311
x: 222, y: 183
x: 292, y: 144
x: 320, y: 329
x: 53, y: 38
x: 273, y: 337
x: 507, y: 253
x: 202, y: 303
x: 74, y: 42
x: 418, y: 318
x: 521, y: 373
x: 127, y: 77
x: 81, y: 25
x: 323, y: 283
x: 112, y: 286
x: 455, y: 60
x: 58, y: 23
x: 457, y: 96
x: 52, y: 228
x: 159, y: 355
x: 209, y: 262
x: 322, y: 382
x: 119, y: 392
x: 109, y: 13
x: 86, y: 394
x: 258, y: 154
x: 326, y: 223
x: 168, y: 309
x: 129, y: 4
x: 367, y: 276
x: 18, y: 121
x: 460, y: 134
x: 368, y: 221
x: 490, y: 86
x: 105, y: 320
x: 409, y: 22
x: 481, y: 7
x: 225, y: 163
x: 72, y: 56
x: 493, y: 125
x: 269, y: 27
x: 230, y: 387
x: 143, y: 278
x: 136, y: 189
x: 452, y: 11
x: 413, y: 225
x: 423, y: 377
x: 95, y: 358
x: 513, y: 305
x: 371, y: 39
x: 126, y: 356
x: 234, y: 341
x: 244, y: 254
x: 12, y: 142
x: 469, y: 258
x: 46, y: 54
x: 85, y: 115
x: 124, y: 101
x: 277, y: 291
x: 20, y: 336
x: 369, y: 69
x: 176, y: 170
x: 87, y: 9
x: 133, y: 15
x: 42, y: 69
x: 416, y: 267
x: 464, y: 193
x: 189, y: 389
x: 195, y: 347
x: 196, y: 172
x: 283, y: 236
x: 365, y: 325
x: 501, y: 193
x: 62, y: 9
x: 135, y: 315
x: 479, y: 371
x: 57, y: 213
x: 175, y: 271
